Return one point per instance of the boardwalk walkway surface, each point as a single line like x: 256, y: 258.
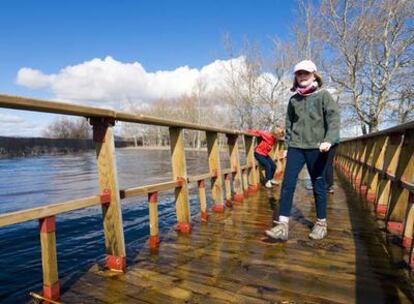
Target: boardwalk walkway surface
x: 228, y: 260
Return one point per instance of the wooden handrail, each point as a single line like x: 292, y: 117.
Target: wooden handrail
x: 46, y: 106
x: 243, y: 179
x: 380, y: 167
x: 396, y: 129
x: 48, y: 210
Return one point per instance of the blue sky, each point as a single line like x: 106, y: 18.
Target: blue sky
x: 160, y: 35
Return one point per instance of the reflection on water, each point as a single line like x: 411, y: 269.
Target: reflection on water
x: 31, y: 182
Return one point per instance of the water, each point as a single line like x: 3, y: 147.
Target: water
x: 32, y: 182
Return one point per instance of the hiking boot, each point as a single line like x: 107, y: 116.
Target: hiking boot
x: 279, y: 232
x: 269, y: 184
x: 319, y: 231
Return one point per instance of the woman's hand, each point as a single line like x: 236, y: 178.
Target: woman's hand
x: 324, y: 147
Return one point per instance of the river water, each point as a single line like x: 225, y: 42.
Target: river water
x: 32, y: 182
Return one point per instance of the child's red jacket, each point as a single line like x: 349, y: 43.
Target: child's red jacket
x: 265, y: 146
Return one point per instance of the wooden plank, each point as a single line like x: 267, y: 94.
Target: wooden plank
x: 144, y: 190
x: 108, y: 181
x: 215, y: 171
x: 48, y: 210
x: 196, y: 178
x: 179, y: 170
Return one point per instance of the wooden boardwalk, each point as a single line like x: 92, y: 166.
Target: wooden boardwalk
x: 228, y: 260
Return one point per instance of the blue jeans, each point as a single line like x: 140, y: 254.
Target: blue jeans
x: 316, y: 162
x: 268, y: 164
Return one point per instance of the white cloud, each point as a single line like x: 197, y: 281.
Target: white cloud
x: 108, y: 82
x: 12, y: 125
x: 10, y: 119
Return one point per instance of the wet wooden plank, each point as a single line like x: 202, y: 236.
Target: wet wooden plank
x: 228, y: 260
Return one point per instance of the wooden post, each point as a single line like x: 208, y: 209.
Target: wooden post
x: 235, y: 167
x: 179, y: 170
x: 245, y: 182
x: 252, y: 177
x: 154, y: 239
x: 397, y: 197
x: 215, y: 170
x: 51, y: 288
x: 394, y: 165
x: 203, y: 201
x: 280, y: 162
x: 108, y: 182
x: 408, y: 230
x: 227, y: 187
x: 383, y: 196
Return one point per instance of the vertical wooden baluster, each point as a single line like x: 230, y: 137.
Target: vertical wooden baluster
x: 235, y: 167
x: 154, y: 239
x: 215, y: 170
x: 227, y: 187
x: 408, y: 230
x: 245, y: 182
x: 203, y: 201
x: 179, y: 170
x: 108, y: 181
x: 398, y: 200
x: 252, y: 178
x: 405, y: 173
x: 51, y: 288
x: 280, y: 162
x: 364, y: 167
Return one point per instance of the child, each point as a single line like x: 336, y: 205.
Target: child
x: 312, y: 127
x: 262, y: 150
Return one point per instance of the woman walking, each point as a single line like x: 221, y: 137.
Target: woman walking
x: 312, y: 127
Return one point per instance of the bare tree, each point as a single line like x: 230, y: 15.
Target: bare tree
x: 368, y: 44
x: 68, y: 128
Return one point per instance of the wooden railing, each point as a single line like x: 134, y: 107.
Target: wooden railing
x: 239, y: 182
x: 381, y: 167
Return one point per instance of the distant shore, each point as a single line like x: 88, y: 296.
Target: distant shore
x: 11, y: 147
x: 34, y: 146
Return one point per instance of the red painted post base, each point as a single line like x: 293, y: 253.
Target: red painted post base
x: 218, y: 208
x: 183, y: 228
x: 252, y: 189
x: 229, y: 203
x: 154, y: 241
x: 364, y: 190
x: 52, y: 292
x: 371, y: 197
x: 204, y: 216
x: 395, y: 227
x: 412, y: 261
x: 238, y: 198
x: 407, y: 241
x: 115, y: 263
x: 381, y: 210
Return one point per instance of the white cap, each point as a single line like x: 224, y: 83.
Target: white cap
x: 305, y: 65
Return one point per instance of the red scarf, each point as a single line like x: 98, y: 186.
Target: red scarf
x: 307, y: 90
